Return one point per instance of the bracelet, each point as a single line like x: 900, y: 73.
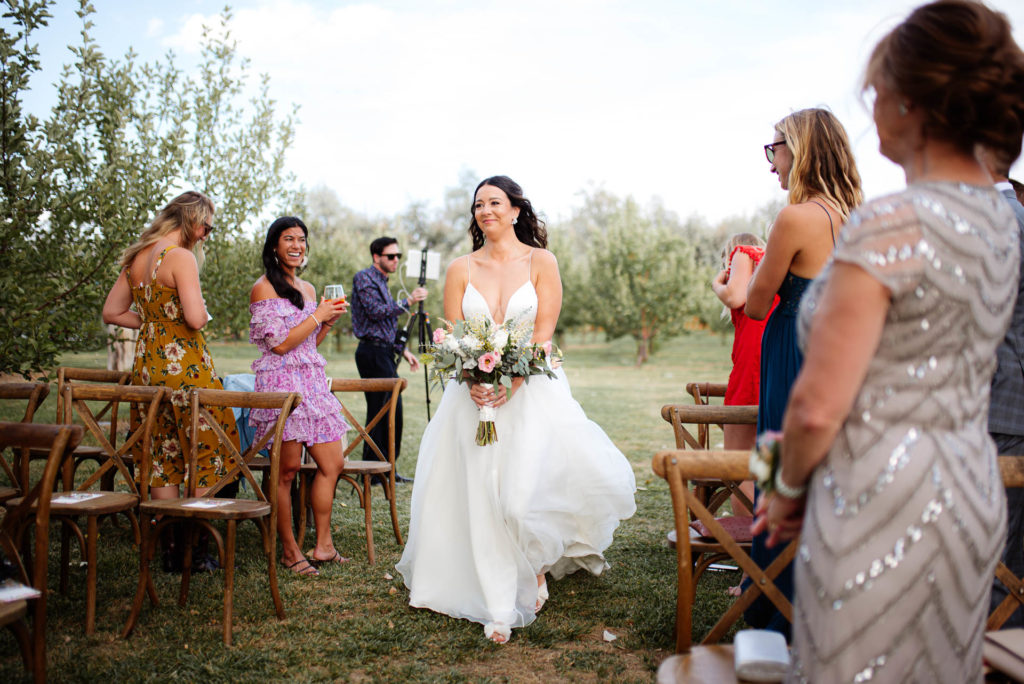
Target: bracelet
x: 787, y: 491
x: 315, y: 319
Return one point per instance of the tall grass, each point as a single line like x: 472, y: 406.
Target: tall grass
x: 353, y: 623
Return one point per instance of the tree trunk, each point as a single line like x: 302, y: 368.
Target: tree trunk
x: 121, y: 347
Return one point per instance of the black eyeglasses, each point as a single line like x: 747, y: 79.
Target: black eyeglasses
x: 392, y: 256
x: 208, y: 227
x: 769, y: 150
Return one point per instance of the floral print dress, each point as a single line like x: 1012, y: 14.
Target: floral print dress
x: 170, y: 354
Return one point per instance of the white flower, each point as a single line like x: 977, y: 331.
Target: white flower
x: 144, y: 374
x: 179, y: 398
x: 170, y: 310
x: 174, y: 351
x: 451, y: 343
x: 499, y: 338
x: 759, y: 468
x: 174, y: 368
x: 469, y: 364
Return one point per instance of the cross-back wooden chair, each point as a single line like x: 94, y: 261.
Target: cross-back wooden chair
x: 201, y: 509
x: 679, y: 467
x: 1012, y: 470
x: 33, y: 394
x: 360, y: 473
x: 702, y: 393
x: 32, y: 511
x: 102, y: 493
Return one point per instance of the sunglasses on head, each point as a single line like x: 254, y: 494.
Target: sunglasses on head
x: 397, y: 255
x: 769, y: 150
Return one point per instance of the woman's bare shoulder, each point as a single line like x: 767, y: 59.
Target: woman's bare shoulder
x: 545, y: 259
x: 261, y: 289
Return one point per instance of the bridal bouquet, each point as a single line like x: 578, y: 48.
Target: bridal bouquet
x: 479, y: 350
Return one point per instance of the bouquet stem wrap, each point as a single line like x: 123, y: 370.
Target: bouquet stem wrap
x: 486, y: 433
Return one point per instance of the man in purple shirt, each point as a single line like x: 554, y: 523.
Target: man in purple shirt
x: 375, y: 322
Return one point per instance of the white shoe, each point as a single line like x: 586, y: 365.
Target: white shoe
x: 542, y: 596
x: 498, y: 632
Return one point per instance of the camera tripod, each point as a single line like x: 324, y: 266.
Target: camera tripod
x: 421, y: 320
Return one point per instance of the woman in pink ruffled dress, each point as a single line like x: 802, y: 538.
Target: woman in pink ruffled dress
x: 287, y: 325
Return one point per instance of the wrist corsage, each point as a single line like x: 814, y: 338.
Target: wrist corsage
x: 765, y: 461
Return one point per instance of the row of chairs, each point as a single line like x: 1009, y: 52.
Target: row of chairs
x: 697, y: 476
x: 109, y: 489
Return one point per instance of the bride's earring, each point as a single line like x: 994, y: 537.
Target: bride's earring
x: 514, y: 221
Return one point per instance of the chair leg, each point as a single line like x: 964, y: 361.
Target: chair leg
x: 394, y: 511
x: 65, y: 555
x: 268, y: 548
x: 92, y: 532
x: 39, y: 640
x: 148, y: 534
x: 229, y: 579
x: 369, y: 521
x: 189, y: 539
x: 21, y: 635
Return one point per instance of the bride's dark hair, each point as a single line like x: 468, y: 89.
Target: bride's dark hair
x: 529, y: 229
x: 275, y: 274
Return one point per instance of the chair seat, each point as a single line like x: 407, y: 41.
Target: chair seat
x: 8, y: 493
x: 737, y: 526
x: 225, y: 509
x: 105, y: 503
x: 366, y: 467
x: 12, y: 611
x: 702, y: 665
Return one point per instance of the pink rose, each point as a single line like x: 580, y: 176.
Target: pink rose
x: 488, y: 361
x: 438, y: 336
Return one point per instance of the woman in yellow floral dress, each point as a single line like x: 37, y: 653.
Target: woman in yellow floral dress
x: 162, y: 282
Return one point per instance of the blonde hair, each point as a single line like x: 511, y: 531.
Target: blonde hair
x: 823, y: 163
x: 190, y: 211
x: 738, y: 239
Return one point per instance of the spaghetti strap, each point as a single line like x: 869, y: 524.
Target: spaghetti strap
x: 469, y: 257
x: 831, y: 228
x: 159, y: 260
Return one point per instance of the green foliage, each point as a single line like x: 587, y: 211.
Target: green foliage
x: 79, y: 186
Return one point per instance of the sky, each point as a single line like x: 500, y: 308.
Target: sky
x: 666, y: 99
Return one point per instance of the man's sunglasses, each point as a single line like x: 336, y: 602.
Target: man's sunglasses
x: 769, y: 150
x: 391, y: 256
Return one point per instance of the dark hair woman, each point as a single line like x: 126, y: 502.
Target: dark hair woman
x: 287, y: 325
x: 528, y: 228
x: 887, y: 468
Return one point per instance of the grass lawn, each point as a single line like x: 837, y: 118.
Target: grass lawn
x: 353, y: 623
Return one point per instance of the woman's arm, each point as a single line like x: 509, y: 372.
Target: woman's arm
x: 325, y: 311
x: 549, y: 296
x: 117, y: 307
x: 783, y: 245
x: 733, y: 292
x: 326, y: 325
x: 184, y: 276
x: 843, y: 338
x: 455, y: 281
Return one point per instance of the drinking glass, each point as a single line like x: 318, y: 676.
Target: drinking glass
x: 334, y: 292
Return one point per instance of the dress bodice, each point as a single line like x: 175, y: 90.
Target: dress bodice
x: 522, y: 303
x: 790, y: 293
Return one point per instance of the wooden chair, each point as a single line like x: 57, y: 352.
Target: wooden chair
x: 33, y: 393
x: 200, y: 510
x: 84, y: 499
x: 360, y: 473
x: 714, y: 664
x: 33, y: 507
x: 702, y: 392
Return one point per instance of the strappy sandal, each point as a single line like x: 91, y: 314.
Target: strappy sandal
x: 308, y: 570
x: 498, y: 632
x: 320, y: 562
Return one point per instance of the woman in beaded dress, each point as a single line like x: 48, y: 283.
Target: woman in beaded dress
x: 887, y: 466
x: 287, y: 326
x: 812, y: 156
x: 158, y: 292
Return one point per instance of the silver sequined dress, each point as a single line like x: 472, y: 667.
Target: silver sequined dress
x: 906, y: 515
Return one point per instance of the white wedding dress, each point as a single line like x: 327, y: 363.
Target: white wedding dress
x: 486, y: 520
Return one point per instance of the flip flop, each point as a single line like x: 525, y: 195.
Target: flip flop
x: 337, y: 558
x: 309, y: 570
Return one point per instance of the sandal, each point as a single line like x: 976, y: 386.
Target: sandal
x: 308, y: 570
x: 498, y: 632
x: 320, y: 562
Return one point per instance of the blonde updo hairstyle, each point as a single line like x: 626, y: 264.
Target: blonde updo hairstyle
x: 957, y: 61
x: 823, y: 163
x: 190, y: 211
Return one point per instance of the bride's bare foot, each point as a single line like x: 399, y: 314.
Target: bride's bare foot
x: 497, y: 632
x: 542, y: 593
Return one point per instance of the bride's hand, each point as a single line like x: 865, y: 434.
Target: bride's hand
x: 500, y: 396
x: 480, y: 395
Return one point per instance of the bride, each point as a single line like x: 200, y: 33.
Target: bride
x: 489, y: 522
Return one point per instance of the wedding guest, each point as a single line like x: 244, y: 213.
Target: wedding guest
x: 887, y: 468
x: 812, y: 156
x: 742, y: 253
x: 287, y: 326
x: 160, y: 276
x: 487, y: 523
x: 375, y: 322
x: 1006, y: 410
